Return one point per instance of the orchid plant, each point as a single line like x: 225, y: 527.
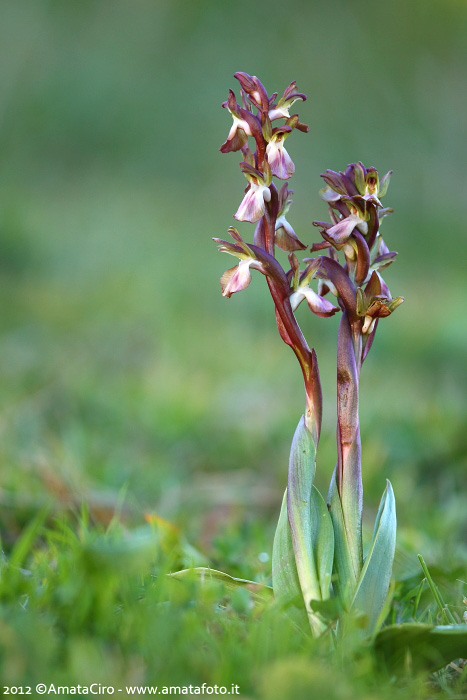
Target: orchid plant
x: 318, y: 555
x: 317, y: 546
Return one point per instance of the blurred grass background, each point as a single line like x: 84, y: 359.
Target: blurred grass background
x: 121, y: 365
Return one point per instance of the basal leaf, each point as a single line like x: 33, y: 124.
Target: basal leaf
x: 427, y: 647
x: 373, y: 585
x: 206, y: 576
x: 284, y: 571
x: 302, y: 469
x: 347, y: 577
x: 322, y: 534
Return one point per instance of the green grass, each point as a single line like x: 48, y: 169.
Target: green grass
x: 97, y: 606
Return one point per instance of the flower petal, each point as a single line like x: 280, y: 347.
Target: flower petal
x: 281, y: 163
x: 373, y: 288
x: 279, y: 113
x: 329, y: 195
x: 383, y: 261
x: 252, y: 206
x: 236, y: 278
x: 320, y: 306
x: 358, y: 175
x: 236, y: 139
x: 286, y: 238
x: 339, y: 234
x: 384, y: 183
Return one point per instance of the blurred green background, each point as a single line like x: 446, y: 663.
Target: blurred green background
x: 122, y: 367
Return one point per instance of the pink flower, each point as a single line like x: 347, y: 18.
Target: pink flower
x: 236, y: 278
x: 240, y: 129
x: 301, y: 289
x: 282, y: 108
x: 281, y: 163
x: 319, y: 305
x: 253, y: 204
x: 285, y: 236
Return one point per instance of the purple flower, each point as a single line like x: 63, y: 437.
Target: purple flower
x: 237, y: 278
x: 355, y: 180
x: 253, y: 204
x: 251, y: 257
x: 301, y: 289
x: 281, y: 163
x: 286, y: 238
x: 340, y: 232
x: 240, y: 129
x: 282, y: 108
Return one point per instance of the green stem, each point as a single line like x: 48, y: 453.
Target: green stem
x: 418, y: 597
x: 444, y: 610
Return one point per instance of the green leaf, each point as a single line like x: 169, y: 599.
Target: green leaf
x: 329, y: 609
x: 310, y: 532
x: 423, y: 646
x: 206, y: 576
x: 373, y: 585
x: 302, y: 468
x: 322, y: 534
x: 347, y: 580
x: 284, y: 571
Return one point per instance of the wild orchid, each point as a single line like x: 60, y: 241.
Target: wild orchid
x: 314, y: 542
x: 318, y: 560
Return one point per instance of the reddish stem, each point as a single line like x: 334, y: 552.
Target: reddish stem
x: 295, y: 338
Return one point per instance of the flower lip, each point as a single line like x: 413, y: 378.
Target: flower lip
x: 236, y: 278
x: 318, y: 305
x: 301, y: 289
x: 252, y: 206
x: 281, y: 163
x: 285, y: 236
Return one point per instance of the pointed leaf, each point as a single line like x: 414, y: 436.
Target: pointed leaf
x: 323, y: 541
x: 206, y: 576
x: 343, y: 563
x: 428, y: 647
x: 373, y: 585
x: 284, y: 571
x: 302, y: 469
